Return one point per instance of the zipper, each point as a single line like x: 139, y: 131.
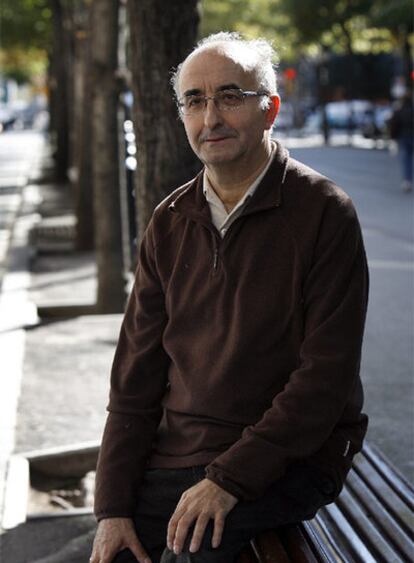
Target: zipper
x: 216, y: 254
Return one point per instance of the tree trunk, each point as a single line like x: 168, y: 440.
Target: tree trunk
x: 108, y: 239
x: 162, y: 34
x: 72, y: 8
x: 59, y: 86
x: 51, y: 83
x: 83, y: 143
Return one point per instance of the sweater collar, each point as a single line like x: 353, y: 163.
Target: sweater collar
x: 192, y: 202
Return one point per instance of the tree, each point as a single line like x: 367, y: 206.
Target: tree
x: 34, y: 33
x: 25, y: 24
x: 59, y: 87
x: 83, y: 139
x: 108, y: 236
x: 252, y: 18
x: 25, y: 32
x: 397, y: 17
x: 161, y: 35
x: 329, y: 21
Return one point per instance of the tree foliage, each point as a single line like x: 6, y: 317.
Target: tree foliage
x: 21, y: 64
x: 25, y: 23
x: 25, y: 33
x: 342, y: 25
x: 259, y: 18
x: 294, y: 25
x: 313, y: 18
x: 392, y: 15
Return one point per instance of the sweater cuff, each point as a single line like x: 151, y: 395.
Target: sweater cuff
x: 217, y: 477
x: 104, y: 514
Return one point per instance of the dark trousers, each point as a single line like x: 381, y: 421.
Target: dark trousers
x: 406, y: 149
x: 295, y: 497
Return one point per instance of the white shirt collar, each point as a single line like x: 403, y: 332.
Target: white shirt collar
x: 219, y: 214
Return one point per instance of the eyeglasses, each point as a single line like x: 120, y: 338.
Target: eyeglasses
x: 224, y: 100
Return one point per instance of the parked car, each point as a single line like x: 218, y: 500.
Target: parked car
x: 345, y: 115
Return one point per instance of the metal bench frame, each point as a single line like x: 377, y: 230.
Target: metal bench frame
x: 372, y: 521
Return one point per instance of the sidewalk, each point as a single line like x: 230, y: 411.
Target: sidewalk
x: 58, y: 370
x: 21, y: 157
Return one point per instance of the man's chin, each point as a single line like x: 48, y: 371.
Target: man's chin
x: 216, y: 156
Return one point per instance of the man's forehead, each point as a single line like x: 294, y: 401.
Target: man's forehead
x: 214, y: 67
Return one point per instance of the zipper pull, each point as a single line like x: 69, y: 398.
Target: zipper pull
x: 215, y: 264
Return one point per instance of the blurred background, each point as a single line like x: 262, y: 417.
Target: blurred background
x: 343, y: 64
x: 90, y: 142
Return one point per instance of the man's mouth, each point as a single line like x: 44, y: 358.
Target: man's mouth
x: 216, y: 136
x: 216, y: 139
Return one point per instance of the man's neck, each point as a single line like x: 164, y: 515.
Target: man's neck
x: 231, y: 182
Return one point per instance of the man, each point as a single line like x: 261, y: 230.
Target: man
x: 235, y: 399
x: 401, y: 127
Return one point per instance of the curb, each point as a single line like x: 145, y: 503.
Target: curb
x: 73, y: 461
x: 16, y: 313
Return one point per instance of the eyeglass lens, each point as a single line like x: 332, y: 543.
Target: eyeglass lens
x: 225, y: 100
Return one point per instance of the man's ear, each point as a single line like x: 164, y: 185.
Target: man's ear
x: 272, y: 110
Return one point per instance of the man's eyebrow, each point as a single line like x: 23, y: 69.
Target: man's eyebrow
x: 193, y: 92
x: 197, y: 91
x: 231, y: 86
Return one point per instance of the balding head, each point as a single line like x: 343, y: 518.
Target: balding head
x: 253, y: 56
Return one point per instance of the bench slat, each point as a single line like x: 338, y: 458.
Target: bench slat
x: 296, y: 545
x: 391, y: 474
x: 269, y: 549
x: 343, y: 529
x: 386, y: 495
x: 376, y: 512
x: 324, y: 544
x: 365, y: 528
x: 247, y: 555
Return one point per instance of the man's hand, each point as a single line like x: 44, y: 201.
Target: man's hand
x: 198, y: 504
x: 114, y: 535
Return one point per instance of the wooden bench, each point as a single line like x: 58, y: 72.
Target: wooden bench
x: 372, y: 521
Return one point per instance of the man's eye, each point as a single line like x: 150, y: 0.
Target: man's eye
x: 194, y: 101
x: 230, y: 97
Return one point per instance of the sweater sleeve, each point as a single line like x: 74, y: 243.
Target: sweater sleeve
x: 138, y: 383
x: 322, y: 388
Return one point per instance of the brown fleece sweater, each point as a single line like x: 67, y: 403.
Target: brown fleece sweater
x: 241, y: 353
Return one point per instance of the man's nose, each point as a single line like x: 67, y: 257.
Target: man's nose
x: 212, y: 116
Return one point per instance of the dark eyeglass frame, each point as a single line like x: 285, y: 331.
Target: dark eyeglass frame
x: 216, y: 99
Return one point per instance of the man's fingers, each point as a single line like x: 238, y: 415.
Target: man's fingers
x: 139, y: 552
x: 198, y: 533
x: 172, y: 526
x: 112, y: 536
x: 201, y: 502
x: 218, y: 529
x: 181, y: 533
x: 135, y: 547
x: 105, y: 556
x: 103, y: 552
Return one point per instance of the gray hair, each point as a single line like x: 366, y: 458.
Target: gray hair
x: 260, y: 61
